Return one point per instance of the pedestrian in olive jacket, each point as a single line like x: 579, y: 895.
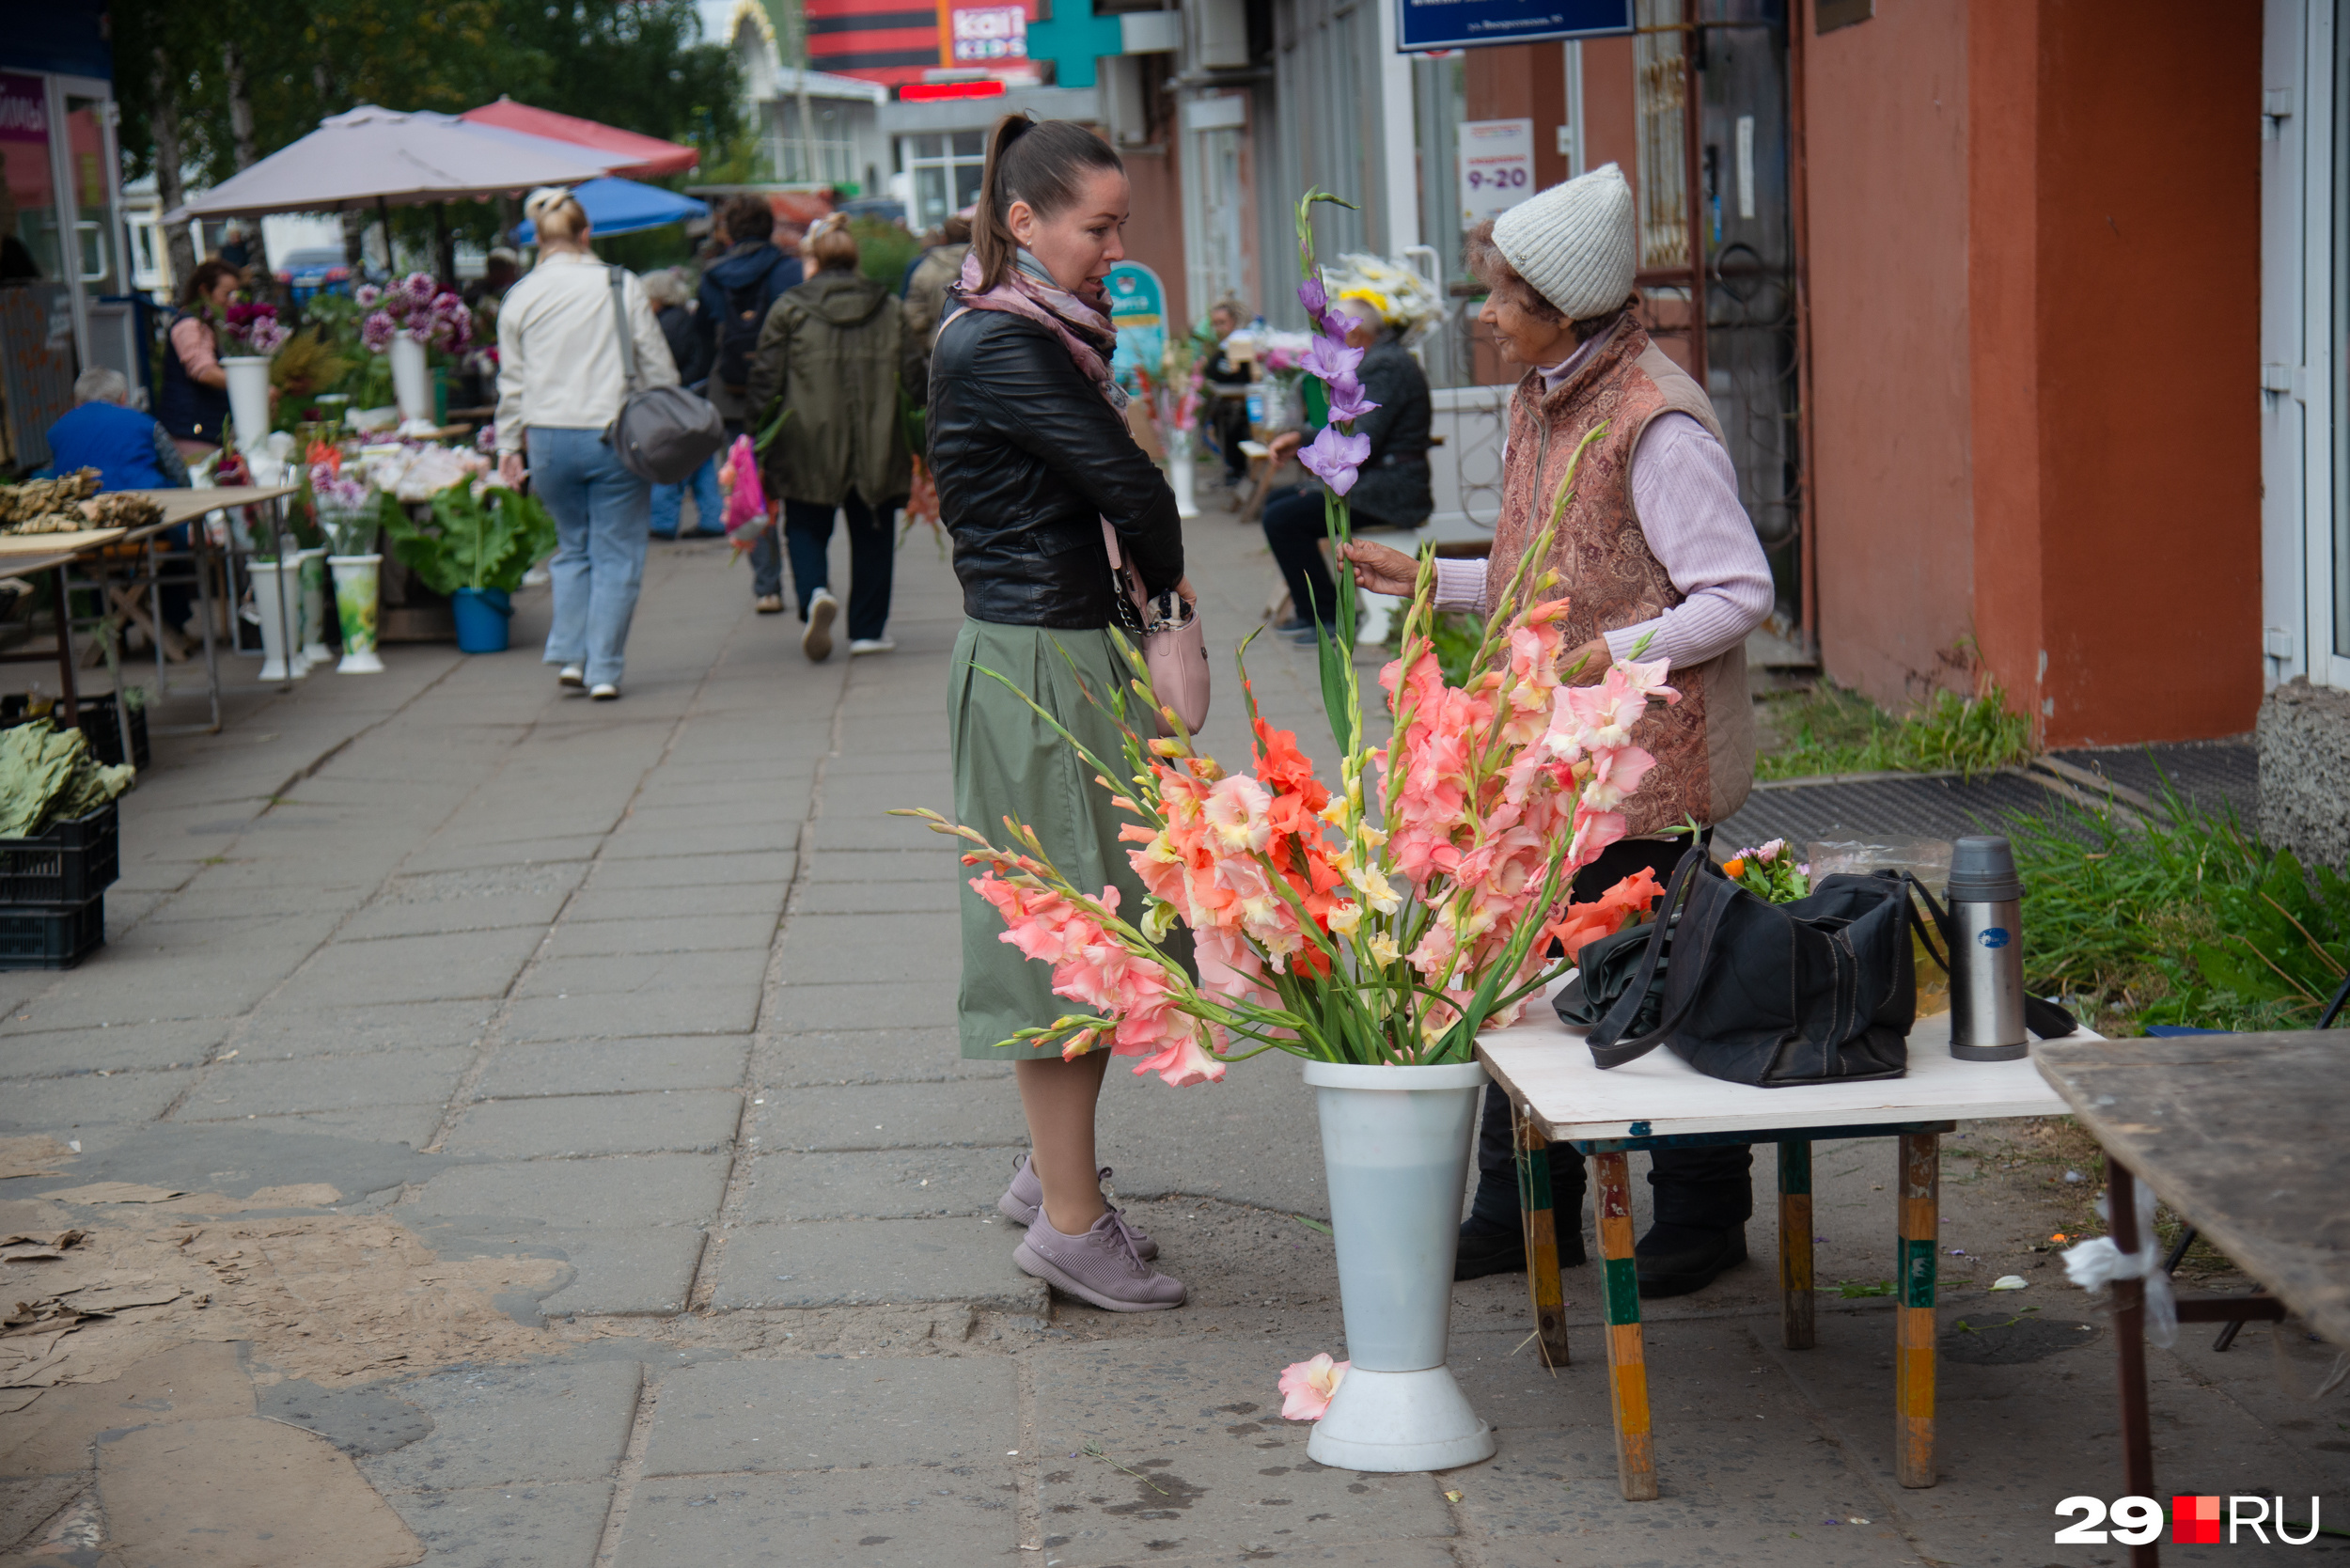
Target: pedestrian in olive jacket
x: 828, y: 356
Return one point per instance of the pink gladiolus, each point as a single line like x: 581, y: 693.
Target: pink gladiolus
x: 1307, y: 1387
x: 1236, y: 809
x: 1616, y: 772
x: 1180, y: 1063
x: 1334, y: 459
x: 747, y: 498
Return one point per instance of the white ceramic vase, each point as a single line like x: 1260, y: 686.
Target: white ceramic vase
x: 276, y: 604
x: 412, y: 383
x: 357, y: 583
x: 1181, y: 474
x: 312, y: 569
x: 248, y: 397
x: 1395, y: 1149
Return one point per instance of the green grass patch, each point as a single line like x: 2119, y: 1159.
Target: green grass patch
x: 2185, y: 919
x: 1829, y: 729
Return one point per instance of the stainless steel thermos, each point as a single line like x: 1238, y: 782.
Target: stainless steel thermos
x: 1986, y: 952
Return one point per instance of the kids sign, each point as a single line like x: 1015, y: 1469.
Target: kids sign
x: 1138, y: 311
x: 1426, y: 25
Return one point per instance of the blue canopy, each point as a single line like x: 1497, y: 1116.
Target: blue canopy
x: 618, y: 206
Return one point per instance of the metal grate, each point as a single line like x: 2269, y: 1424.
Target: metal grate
x: 1927, y: 808
x: 2213, y: 776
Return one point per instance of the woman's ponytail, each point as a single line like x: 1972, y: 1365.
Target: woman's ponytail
x: 1043, y: 162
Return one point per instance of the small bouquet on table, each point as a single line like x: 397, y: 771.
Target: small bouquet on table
x: 1373, y: 925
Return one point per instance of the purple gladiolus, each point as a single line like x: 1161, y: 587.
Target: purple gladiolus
x: 1333, y: 457
x: 1313, y: 296
x: 1347, y: 401
x: 1331, y: 362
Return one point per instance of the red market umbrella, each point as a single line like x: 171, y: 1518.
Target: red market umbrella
x: 653, y: 157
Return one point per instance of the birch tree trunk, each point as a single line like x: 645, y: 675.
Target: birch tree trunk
x: 163, y: 121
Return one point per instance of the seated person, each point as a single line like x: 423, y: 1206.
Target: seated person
x: 130, y: 450
x: 1227, y: 384
x: 1392, y: 490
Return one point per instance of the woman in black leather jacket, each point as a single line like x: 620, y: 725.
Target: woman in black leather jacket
x: 1032, y: 459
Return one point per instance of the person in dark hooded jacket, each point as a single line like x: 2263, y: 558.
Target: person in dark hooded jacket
x: 829, y: 353
x: 738, y: 290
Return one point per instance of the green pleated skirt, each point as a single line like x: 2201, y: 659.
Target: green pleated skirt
x: 1010, y: 762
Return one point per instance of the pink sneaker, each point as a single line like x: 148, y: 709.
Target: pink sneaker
x: 1025, y: 1198
x: 1102, y: 1266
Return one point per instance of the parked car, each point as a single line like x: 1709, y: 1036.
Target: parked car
x: 313, y: 271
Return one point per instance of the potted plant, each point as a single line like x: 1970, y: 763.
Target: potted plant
x: 481, y: 539
x: 1373, y: 926
x: 404, y: 320
x: 250, y: 334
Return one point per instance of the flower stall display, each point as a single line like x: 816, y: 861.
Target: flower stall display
x: 403, y: 321
x: 1174, y: 394
x: 249, y: 336
x: 1372, y: 924
x: 480, y: 540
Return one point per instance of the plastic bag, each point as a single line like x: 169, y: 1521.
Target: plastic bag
x: 2094, y: 1265
x: 1927, y: 860
x: 745, y: 509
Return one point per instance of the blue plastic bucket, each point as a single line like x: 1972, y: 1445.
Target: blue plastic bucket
x: 481, y: 617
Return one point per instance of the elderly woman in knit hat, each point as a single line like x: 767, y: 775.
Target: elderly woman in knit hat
x: 1658, y: 560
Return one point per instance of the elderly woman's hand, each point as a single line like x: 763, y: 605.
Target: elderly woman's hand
x: 1381, y: 568
x: 511, y: 469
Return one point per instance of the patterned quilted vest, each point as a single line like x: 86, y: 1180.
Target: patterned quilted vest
x: 1704, y: 743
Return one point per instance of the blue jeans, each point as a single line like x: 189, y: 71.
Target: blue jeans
x: 599, y: 514
x: 668, y: 501
x: 767, y: 564
x: 872, y: 549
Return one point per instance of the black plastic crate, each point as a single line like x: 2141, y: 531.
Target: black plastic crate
x: 97, y: 714
x: 51, y: 938
x: 73, y: 862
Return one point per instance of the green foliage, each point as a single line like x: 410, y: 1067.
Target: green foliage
x: 2185, y: 920
x: 48, y: 776
x: 638, y: 64
x: 884, y: 250
x: 1829, y: 730
x: 485, y: 542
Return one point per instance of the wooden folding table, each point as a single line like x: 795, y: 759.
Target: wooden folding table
x: 1660, y: 1102
x: 2242, y: 1136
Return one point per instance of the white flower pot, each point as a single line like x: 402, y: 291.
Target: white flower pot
x: 312, y: 569
x: 356, y: 580
x: 1183, y: 474
x: 412, y: 383
x: 275, y: 588
x: 1395, y: 1149
x: 248, y: 397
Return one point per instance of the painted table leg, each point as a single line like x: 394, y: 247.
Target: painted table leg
x: 1627, y: 1356
x: 1794, y: 1244
x: 1541, y: 1238
x: 1913, y: 1331
x: 2130, y: 1338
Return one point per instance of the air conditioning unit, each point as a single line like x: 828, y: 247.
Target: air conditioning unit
x: 1215, y: 35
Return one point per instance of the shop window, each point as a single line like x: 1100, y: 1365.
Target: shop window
x: 946, y: 169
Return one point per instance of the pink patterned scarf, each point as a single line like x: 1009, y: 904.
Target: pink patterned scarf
x: 1082, y: 327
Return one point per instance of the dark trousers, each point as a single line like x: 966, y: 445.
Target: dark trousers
x: 1712, y: 1188
x: 1228, y: 419
x: 873, y: 557
x: 1294, y: 527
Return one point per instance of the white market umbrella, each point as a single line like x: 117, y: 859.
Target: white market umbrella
x: 369, y: 157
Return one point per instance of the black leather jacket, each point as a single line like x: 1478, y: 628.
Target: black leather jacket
x: 1029, y: 458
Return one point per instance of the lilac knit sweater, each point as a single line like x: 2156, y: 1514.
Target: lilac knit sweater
x: 1687, y: 495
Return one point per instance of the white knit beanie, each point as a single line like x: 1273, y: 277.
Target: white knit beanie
x: 1576, y: 244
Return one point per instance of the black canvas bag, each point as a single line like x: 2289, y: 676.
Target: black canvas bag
x: 1752, y: 992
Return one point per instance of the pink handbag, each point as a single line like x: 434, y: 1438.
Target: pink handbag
x: 1174, y: 646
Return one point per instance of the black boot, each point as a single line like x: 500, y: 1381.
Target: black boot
x: 1675, y: 1259
x: 1493, y: 1238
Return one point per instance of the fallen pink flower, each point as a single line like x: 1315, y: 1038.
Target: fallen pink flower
x: 1307, y: 1387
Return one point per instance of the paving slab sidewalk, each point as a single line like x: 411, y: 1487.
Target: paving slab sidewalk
x: 625, y: 1033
